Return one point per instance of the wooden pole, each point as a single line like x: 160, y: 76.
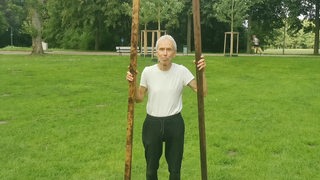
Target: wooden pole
x: 231, y: 36
x: 225, y: 41
x: 132, y: 87
x: 197, y: 43
x: 152, y: 45
x: 145, y: 43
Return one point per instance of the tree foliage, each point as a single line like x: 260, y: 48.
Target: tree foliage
x: 34, y: 23
x: 161, y: 11
x: 267, y: 17
x: 100, y: 24
x: 231, y: 10
x: 299, y: 40
x: 3, y: 20
x: 306, y: 10
x: 83, y: 23
x: 12, y: 16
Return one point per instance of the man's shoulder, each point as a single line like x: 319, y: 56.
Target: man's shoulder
x: 179, y: 66
x: 150, y: 67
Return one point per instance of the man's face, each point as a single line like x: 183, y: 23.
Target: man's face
x: 165, y: 51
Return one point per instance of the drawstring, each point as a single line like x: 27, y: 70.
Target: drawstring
x: 162, y: 127
x: 162, y: 120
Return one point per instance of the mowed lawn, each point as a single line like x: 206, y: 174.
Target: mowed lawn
x: 65, y: 117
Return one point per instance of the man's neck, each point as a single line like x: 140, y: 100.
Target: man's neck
x: 164, y: 67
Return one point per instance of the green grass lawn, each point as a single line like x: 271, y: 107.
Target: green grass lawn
x: 65, y: 117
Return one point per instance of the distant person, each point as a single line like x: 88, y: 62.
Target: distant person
x: 256, y: 45
x: 163, y: 84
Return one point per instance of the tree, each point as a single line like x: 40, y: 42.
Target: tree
x: 298, y: 39
x: 317, y: 27
x: 312, y: 13
x: 3, y: 20
x: 82, y: 22
x: 34, y: 22
x: 233, y: 12
x: 3, y: 23
x: 160, y: 11
x: 11, y: 17
x: 147, y: 14
x: 248, y: 23
x: 266, y: 17
x: 188, y: 14
x: 300, y: 10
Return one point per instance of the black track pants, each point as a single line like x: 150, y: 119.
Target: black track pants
x: 169, y: 130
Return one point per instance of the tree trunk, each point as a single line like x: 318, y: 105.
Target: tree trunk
x: 317, y: 23
x: 37, y: 32
x: 284, y: 45
x: 189, y: 33
x: 159, y: 19
x: 249, y: 35
x: 98, y: 33
x: 231, y: 29
x: 97, y: 40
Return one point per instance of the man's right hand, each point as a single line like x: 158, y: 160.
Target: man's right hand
x: 129, y: 76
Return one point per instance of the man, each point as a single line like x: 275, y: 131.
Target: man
x: 256, y: 45
x: 164, y: 83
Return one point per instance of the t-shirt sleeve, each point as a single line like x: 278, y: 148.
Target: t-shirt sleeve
x: 188, y: 76
x: 143, y: 81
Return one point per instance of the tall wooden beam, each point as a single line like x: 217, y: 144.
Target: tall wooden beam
x: 200, y: 95
x: 132, y: 87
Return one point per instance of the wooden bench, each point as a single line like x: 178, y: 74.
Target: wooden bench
x: 127, y: 49
x: 149, y: 50
x: 124, y: 49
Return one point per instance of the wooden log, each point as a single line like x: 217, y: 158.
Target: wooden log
x: 200, y: 95
x: 132, y: 87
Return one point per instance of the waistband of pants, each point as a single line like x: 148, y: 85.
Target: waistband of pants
x: 163, y: 118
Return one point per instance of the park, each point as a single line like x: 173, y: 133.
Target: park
x: 64, y: 117
x: 63, y: 111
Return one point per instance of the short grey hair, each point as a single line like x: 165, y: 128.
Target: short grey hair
x: 167, y: 37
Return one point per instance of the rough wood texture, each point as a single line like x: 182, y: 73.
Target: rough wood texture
x: 132, y: 87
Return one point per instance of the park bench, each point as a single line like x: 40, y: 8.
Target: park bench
x: 127, y: 49
x: 149, y: 50
x: 124, y: 49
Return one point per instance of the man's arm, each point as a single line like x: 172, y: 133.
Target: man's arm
x: 140, y: 91
x: 193, y: 85
x: 201, y: 65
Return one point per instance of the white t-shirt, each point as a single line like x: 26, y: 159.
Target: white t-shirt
x: 256, y: 41
x: 164, y: 89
